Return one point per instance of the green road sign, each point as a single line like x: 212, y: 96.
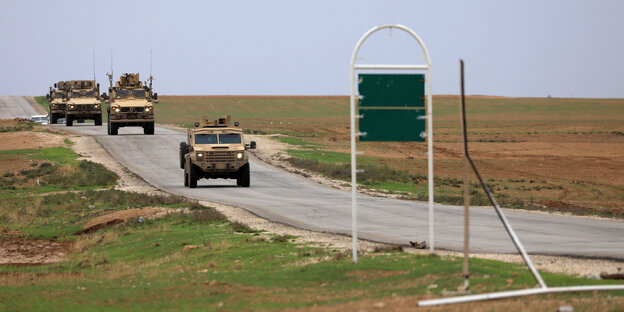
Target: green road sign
x: 393, y: 90
x: 393, y: 125
x: 392, y: 107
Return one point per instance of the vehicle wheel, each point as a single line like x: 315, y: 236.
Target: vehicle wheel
x: 183, y: 152
x: 69, y: 121
x: 108, y: 125
x: 193, y: 176
x: 53, y: 118
x: 148, y: 128
x: 186, y: 179
x: 98, y: 120
x: 114, y: 129
x: 243, y: 176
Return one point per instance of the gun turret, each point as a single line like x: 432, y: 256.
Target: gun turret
x: 129, y: 81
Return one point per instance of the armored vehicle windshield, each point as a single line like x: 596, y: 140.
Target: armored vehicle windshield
x: 229, y: 138
x: 203, y: 138
x: 76, y: 94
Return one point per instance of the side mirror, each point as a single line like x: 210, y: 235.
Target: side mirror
x: 48, y: 96
x: 98, y: 86
x: 155, y: 96
x: 55, y: 86
x: 252, y: 145
x: 236, y: 124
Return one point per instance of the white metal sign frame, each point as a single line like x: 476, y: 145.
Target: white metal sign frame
x: 429, y: 121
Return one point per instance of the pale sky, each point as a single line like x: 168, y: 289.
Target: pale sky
x: 511, y: 48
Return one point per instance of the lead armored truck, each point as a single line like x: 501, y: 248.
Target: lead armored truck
x: 214, y: 149
x: 83, y: 102
x: 130, y: 104
x: 57, y: 100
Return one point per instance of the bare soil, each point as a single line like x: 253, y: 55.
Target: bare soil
x: 29, y: 139
x: 17, y: 249
x: 121, y: 216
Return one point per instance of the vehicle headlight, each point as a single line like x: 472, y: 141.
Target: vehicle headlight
x: 147, y: 109
x: 97, y: 105
x: 117, y: 110
x: 200, y: 155
x: 53, y: 105
x: 71, y: 106
x: 239, y: 155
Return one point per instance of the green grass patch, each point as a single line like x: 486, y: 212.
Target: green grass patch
x: 59, y: 155
x: 296, y: 142
x: 137, y: 266
x: 20, y: 126
x: 54, y: 169
x: 43, y: 101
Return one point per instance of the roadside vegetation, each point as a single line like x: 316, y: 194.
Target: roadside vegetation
x: 192, y: 258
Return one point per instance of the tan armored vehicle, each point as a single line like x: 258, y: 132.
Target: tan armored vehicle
x: 215, y: 150
x: 57, y: 99
x: 83, y: 102
x: 130, y: 104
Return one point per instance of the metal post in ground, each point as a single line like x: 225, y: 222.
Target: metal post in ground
x: 466, y: 180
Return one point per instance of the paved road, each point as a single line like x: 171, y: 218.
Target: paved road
x: 284, y: 197
x: 16, y: 106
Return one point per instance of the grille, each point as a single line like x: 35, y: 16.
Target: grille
x: 220, y: 156
x: 132, y: 109
x: 85, y: 107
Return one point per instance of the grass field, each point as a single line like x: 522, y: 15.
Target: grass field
x: 200, y: 261
x: 536, y: 153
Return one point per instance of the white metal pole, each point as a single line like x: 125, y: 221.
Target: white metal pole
x: 430, y: 157
x: 517, y: 293
x: 353, y: 168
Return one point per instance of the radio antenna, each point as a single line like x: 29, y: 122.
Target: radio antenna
x: 94, y: 66
x: 150, y: 77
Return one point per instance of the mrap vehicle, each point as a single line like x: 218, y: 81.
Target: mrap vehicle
x: 215, y: 150
x: 130, y: 104
x: 57, y: 99
x: 83, y: 102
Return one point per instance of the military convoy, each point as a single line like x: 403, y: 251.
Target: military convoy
x: 130, y: 104
x: 57, y: 99
x: 214, y: 149
x: 83, y: 102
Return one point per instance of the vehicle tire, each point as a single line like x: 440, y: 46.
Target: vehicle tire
x: 114, y: 129
x: 69, y: 121
x: 193, y: 176
x: 148, y: 128
x: 98, y: 120
x: 186, y: 179
x: 183, y: 151
x: 53, y: 118
x: 243, y: 176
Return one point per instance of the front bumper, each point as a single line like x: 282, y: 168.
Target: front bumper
x: 131, y: 118
x: 220, y: 161
x: 83, y: 113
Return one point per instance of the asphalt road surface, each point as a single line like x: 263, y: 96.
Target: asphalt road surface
x: 284, y: 197
x: 16, y: 106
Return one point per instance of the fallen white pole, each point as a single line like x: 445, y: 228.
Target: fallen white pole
x: 517, y: 293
